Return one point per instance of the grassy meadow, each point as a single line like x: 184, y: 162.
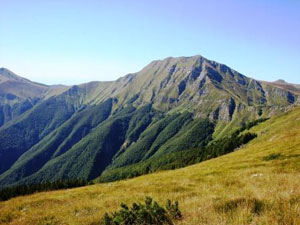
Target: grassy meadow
x: 257, y: 184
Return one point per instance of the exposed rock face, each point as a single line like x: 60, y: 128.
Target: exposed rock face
x: 298, y: 101
x: 225, y: 111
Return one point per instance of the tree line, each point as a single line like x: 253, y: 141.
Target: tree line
x: 26, y: 189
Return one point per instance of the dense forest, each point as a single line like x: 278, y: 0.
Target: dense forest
x: 187, y: 157
x: 169, y: 161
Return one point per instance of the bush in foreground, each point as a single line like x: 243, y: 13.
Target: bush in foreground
x: 150, y: 213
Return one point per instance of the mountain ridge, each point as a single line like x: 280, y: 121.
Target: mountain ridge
x: 7, y: 71
x: 169, y: 101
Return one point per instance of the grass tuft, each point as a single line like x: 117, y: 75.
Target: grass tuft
x: 272, y: 156
x: 253, y: 205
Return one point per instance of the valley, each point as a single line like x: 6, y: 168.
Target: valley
x: 257, y: 184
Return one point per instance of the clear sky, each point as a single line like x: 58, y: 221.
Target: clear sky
x: 74, y: 41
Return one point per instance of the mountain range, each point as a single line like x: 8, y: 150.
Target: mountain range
x: 90, y: 130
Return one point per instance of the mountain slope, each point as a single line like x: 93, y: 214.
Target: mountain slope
x: 257, y: 184
x: 19, y: 135
x: 171, y: 105
x: 188, y: 82
x: 58, y: 142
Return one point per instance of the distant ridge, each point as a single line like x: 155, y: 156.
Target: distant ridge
x: 286, y: 85
x: 280, y: 81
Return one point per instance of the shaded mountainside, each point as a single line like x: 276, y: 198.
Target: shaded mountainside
x: 25, y: 131
x: 259, y: 184
x: 172, y: 105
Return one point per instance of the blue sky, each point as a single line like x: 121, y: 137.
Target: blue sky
x: 72, y: 42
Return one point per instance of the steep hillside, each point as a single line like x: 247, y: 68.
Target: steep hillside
x: 257, y: 184
x: 170, y: 106
x: 58, y: 142
x: 19, y: 135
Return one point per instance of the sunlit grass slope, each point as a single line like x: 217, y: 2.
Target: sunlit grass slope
x: 258, y: 184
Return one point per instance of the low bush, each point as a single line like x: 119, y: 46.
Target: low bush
x: 150, y: 213
x: 272, y: 156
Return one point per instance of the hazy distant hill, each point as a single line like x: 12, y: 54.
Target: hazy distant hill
x: 171, y: 105
x: 17, y: 94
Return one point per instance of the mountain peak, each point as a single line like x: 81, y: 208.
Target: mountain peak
x: 280, y: 81
x: 172, y: 59
x: 8, y: 74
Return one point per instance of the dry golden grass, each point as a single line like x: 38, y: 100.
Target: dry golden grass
x: 258, y: 184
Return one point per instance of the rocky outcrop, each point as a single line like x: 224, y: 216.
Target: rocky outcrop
x: 225, y: 111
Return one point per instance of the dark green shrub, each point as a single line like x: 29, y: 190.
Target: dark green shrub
x: 173, y: 209
x: 254, y: 205
x: 150, y: 213
x: 272, y: 156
